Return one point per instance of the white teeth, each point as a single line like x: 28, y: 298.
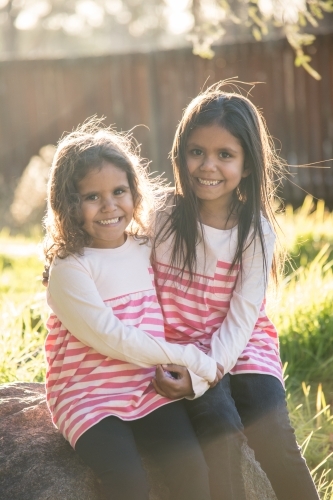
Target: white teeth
x: 109, y: 221
x: 208, y: 183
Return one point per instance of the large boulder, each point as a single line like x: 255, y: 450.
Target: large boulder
x: 36, y: 463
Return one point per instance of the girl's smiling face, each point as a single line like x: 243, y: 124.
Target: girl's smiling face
x: 215, y: 159
x: 106, y: 205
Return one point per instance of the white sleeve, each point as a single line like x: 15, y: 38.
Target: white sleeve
x: 74, y: 298
x: 199, y: 386
x: 229, y: 341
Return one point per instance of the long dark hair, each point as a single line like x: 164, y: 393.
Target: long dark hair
x: 252, y: 198
x: 79, y: 152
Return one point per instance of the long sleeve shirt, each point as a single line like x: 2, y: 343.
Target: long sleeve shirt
x: 106, y: 335
x: 222, y: 311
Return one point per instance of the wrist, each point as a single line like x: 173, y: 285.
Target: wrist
x: 199, y: 363
x: 199, y: 386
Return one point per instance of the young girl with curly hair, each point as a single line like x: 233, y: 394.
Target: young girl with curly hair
x: 106, y: 332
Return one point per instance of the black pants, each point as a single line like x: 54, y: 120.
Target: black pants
x: 110, y: 449
x: 252, y: 407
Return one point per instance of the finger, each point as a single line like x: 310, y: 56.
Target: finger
x: 157, y: 389
x: 216, y: 381
x: 165, y: 382
x: 171, y: 387
x: 220, y: 367
x: 168, y: 384
x: 166, y: 389
x: 159, y: 374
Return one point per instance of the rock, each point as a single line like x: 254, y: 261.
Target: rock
x: 256, y: 482
x: 37, y: 463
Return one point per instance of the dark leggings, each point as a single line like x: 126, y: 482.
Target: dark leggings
x: 110, y: 449
x: 251, y: 405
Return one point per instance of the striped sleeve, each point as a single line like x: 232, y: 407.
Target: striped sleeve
x: 231, y: 338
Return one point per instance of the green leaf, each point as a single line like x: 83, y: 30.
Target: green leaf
x: 302, y: 19
x: 256, y: 33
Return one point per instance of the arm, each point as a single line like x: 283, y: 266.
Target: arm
x: 75, y: 300
x: 229, y: 341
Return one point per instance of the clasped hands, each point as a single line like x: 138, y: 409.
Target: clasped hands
x: 174, y: 381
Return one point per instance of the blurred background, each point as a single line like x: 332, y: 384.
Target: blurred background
x: 132, y: 61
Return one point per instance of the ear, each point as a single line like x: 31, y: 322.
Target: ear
x: 246, y: 172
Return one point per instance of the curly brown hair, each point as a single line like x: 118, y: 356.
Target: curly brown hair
x: 78, y: 152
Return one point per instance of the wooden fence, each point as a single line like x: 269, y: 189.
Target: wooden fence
x: 41, y: 99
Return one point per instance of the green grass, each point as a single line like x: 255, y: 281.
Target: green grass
x: 23, y: 311
x: 310, y: 415
x: 302, y: 313
x: 304, y: 232
x: 21, y: 340
x: 304, y: 319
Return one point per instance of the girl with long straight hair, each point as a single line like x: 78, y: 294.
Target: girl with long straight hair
x: 213, y: 253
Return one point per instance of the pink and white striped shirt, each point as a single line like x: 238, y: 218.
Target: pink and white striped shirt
x: 222, y: 312
x: 105, y: 337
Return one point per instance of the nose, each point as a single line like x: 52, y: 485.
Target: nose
x: 208, y: 164
x: 109, y: 204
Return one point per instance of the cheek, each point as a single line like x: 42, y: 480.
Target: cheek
x: 191, y: 164
x: 132, y: 202
x: 84, y: 214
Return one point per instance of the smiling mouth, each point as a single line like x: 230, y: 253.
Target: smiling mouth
x: 106, y: 222
x: 206, y: 182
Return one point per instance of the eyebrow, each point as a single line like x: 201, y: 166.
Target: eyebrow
x: 194, y: 145
x: 122, y: 186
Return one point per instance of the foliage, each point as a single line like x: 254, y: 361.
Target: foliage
x: 304, y: 232
x: 261, y: 17
x: 303, y: 317
x: 21, y: 339
x: 22, y: 313
x: 311, y: 416
x: 302, y: 312
x: 160, y: 22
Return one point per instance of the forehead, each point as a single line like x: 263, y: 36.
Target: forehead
x: 104, y: 175
x: 213, y: 135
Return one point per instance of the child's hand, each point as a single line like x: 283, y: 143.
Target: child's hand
x: 175, y: 386
x: 219, y: 375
